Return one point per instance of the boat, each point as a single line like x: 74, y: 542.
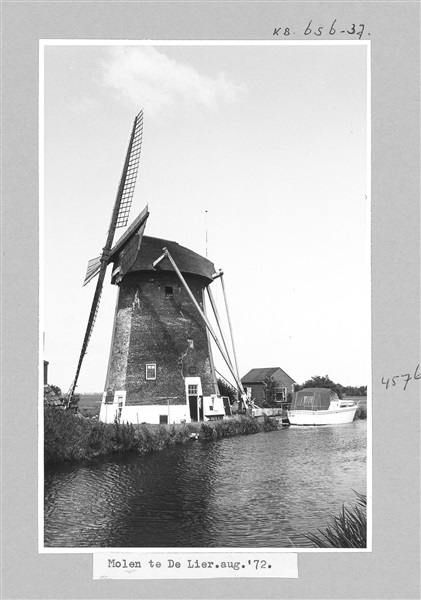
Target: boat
x: 320, y: 406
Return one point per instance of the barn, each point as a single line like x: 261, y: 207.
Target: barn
x: 255, y: 382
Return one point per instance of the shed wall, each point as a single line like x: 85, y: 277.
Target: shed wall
x: 258, y: 389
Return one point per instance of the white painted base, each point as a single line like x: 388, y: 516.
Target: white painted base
x: 138, y: 414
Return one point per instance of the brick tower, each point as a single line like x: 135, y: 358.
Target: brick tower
x: 160, y: 365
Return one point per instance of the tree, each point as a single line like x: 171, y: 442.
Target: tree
x: 321, y: 381
x: 226, y: 389
x: 269, y: 388
x: 351, y: 390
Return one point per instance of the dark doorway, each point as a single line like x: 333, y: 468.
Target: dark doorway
x: 193, y: 407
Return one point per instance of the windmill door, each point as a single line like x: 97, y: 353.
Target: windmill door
x: 193, y: 397
x: 119, y: 402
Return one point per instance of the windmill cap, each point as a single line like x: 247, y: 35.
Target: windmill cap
x: 186, y: 260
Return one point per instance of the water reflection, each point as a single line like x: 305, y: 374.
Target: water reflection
x: 263, y: 490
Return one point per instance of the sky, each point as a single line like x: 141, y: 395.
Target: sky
x: 260, y: 149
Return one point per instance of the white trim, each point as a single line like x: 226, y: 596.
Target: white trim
x: 146, y: 371
x: 120, y: 394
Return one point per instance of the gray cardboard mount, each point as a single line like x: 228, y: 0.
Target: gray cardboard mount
x: 391, y: 570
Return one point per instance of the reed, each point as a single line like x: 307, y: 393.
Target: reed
x: 68, y: 437
x: 348, y: 530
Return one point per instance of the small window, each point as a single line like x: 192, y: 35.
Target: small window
x: 163, y: 419
x: 151, y: 371
x: 192, y: 371
x: 190, y: 343
x: 192, y: 390
x: 280, y: 394
x: 210, y: 407
x: 169, y: 292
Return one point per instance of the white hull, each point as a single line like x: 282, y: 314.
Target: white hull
x: 336, y: 416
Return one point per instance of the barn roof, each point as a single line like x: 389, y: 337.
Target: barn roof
x: 187, y: 261
x: 258, y: 375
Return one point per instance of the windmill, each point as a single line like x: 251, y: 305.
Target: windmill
x: 161, y: 366
x: 119, y: 217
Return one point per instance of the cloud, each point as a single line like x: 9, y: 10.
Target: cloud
x: 148, y: 78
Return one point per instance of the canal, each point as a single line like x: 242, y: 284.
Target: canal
x: 264, y: 491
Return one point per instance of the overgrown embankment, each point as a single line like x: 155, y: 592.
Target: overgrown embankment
x: 68, y: 437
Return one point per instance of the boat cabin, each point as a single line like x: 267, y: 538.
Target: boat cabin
x: 313, y: 399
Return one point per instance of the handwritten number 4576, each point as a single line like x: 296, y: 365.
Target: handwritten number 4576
x: 407, y: 378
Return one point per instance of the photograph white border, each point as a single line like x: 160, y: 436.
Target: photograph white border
x: 144, y: 550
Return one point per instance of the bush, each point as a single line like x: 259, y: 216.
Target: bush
x: 270, y: 424
x: 348, y: 530
x: 65, y: 436
x: 236, y: 426
x: 361, y: 413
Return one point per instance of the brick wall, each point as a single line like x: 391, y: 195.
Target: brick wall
x: 258, y: 389
x: 153, y: 325
x: 257, y: 392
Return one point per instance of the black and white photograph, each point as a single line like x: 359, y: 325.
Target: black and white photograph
x: 205, y: 295
x: 210, y: 300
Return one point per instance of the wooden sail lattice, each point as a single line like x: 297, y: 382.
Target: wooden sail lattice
x: 131, y: 174
x: 91, y: 322
x: 119, y: 217
x: 94, y: 315
x: 129, y: 254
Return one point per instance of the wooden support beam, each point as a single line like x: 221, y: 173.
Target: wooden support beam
x: 158, y: 260
x: 205, y: 319
x: 229, y: 323
x: 215, y: 312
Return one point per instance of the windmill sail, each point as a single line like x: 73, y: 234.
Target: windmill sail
x: 131, y: 173
x: 134, y: 227
x: 127, y: 246
x: 125, y: 251
x: 93, y: 268
x: 119, y: 217
x: 129, y: 254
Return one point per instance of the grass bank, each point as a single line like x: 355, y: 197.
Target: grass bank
x: 348, y: 530
x: 68, y: 437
